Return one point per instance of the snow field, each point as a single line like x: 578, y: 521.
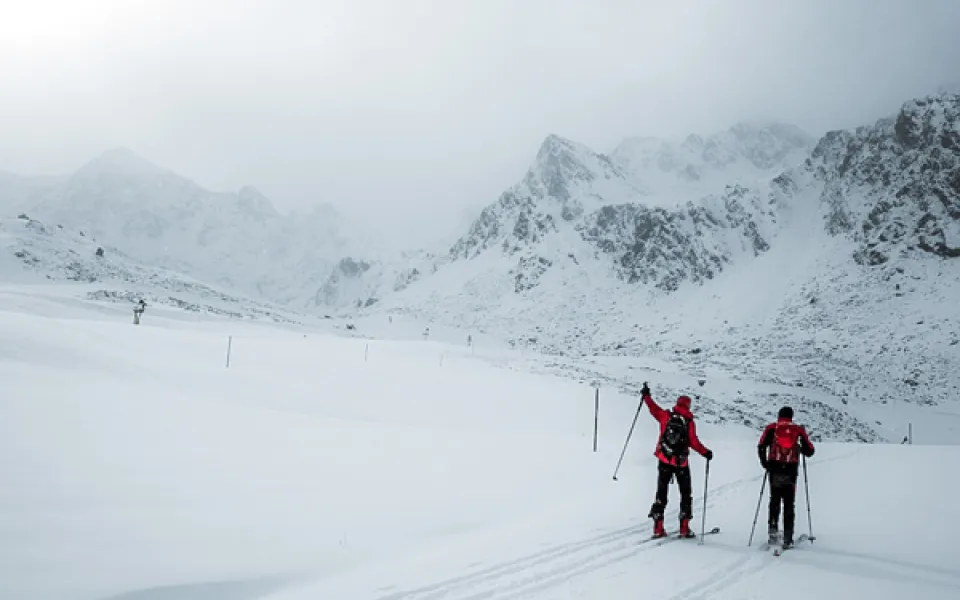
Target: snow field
x: 133, y: 458
x: 135, y: 466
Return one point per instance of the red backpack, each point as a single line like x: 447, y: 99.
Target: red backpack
x: 784, y: 447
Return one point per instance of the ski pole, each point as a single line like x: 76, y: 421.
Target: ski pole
x: 617, y: 470
x: 806, y: 488
x: 757, y: 514
x: 703, y: 522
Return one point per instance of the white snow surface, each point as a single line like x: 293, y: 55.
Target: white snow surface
x: 137, y: 466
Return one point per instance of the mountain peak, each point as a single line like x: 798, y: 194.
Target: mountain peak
x: 554, y: 145
x: 120, y: 161
x: 558, y: 154
x: 561, y: 163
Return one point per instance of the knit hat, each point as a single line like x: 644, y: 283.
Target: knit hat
x: 785, y: 413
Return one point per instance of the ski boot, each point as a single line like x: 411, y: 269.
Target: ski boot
x: 773, y: 535
x: 787, y: 539
x: 685, y: 531
x: 658, y: 530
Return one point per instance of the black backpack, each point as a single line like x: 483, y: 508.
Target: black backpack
x: 675, y: 441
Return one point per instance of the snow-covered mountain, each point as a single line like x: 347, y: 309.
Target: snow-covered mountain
x: 652, y: 212
x: 838, y: 273
x: 577, y: 206
x: 235, y: 240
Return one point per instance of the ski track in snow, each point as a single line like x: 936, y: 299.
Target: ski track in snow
x: 560, y: 563
x: 551, y: 568
x: 724, y: 577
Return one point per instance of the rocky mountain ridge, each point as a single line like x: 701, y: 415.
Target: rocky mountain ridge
x: 824, y: 274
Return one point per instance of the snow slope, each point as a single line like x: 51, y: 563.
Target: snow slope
x: 35, y: 253
x: 137, y: 466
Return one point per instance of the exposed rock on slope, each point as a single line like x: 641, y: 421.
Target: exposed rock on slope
x: 575, y: 203
x: 664, y: 248
x: 357, y: 283
x: 894, y: 187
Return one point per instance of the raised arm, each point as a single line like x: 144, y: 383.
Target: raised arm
x: 655, y: 411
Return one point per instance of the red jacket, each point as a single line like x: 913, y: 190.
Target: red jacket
x: 682, y: 408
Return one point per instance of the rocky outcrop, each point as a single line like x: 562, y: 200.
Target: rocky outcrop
x: 894, y: 187
x: 573, y: 196
x: 664, y: 248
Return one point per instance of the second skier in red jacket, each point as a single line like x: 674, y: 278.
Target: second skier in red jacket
x: 779, y: 448
x: 678, y: 434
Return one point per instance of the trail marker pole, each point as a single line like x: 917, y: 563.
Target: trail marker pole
x: 229, y: 346
x: 366, y: 352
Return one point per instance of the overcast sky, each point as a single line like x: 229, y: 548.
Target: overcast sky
x: 415, y: 109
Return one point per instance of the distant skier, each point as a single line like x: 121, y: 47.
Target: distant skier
x: 780, y: 447
x: 678, y: 434
x: 138, y: 309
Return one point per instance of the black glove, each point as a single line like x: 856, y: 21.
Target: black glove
x: 644, y: 391
x: 763, y: 463
x: 708, y: 455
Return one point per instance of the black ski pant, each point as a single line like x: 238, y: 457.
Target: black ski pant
x: 783, y: 490
x: 665, y: 473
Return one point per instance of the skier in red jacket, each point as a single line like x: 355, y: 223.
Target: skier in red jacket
x: 779, y: 448
x: 678, y: 434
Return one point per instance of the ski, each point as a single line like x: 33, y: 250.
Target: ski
x: 779, y: 551
x: 675, y: 535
